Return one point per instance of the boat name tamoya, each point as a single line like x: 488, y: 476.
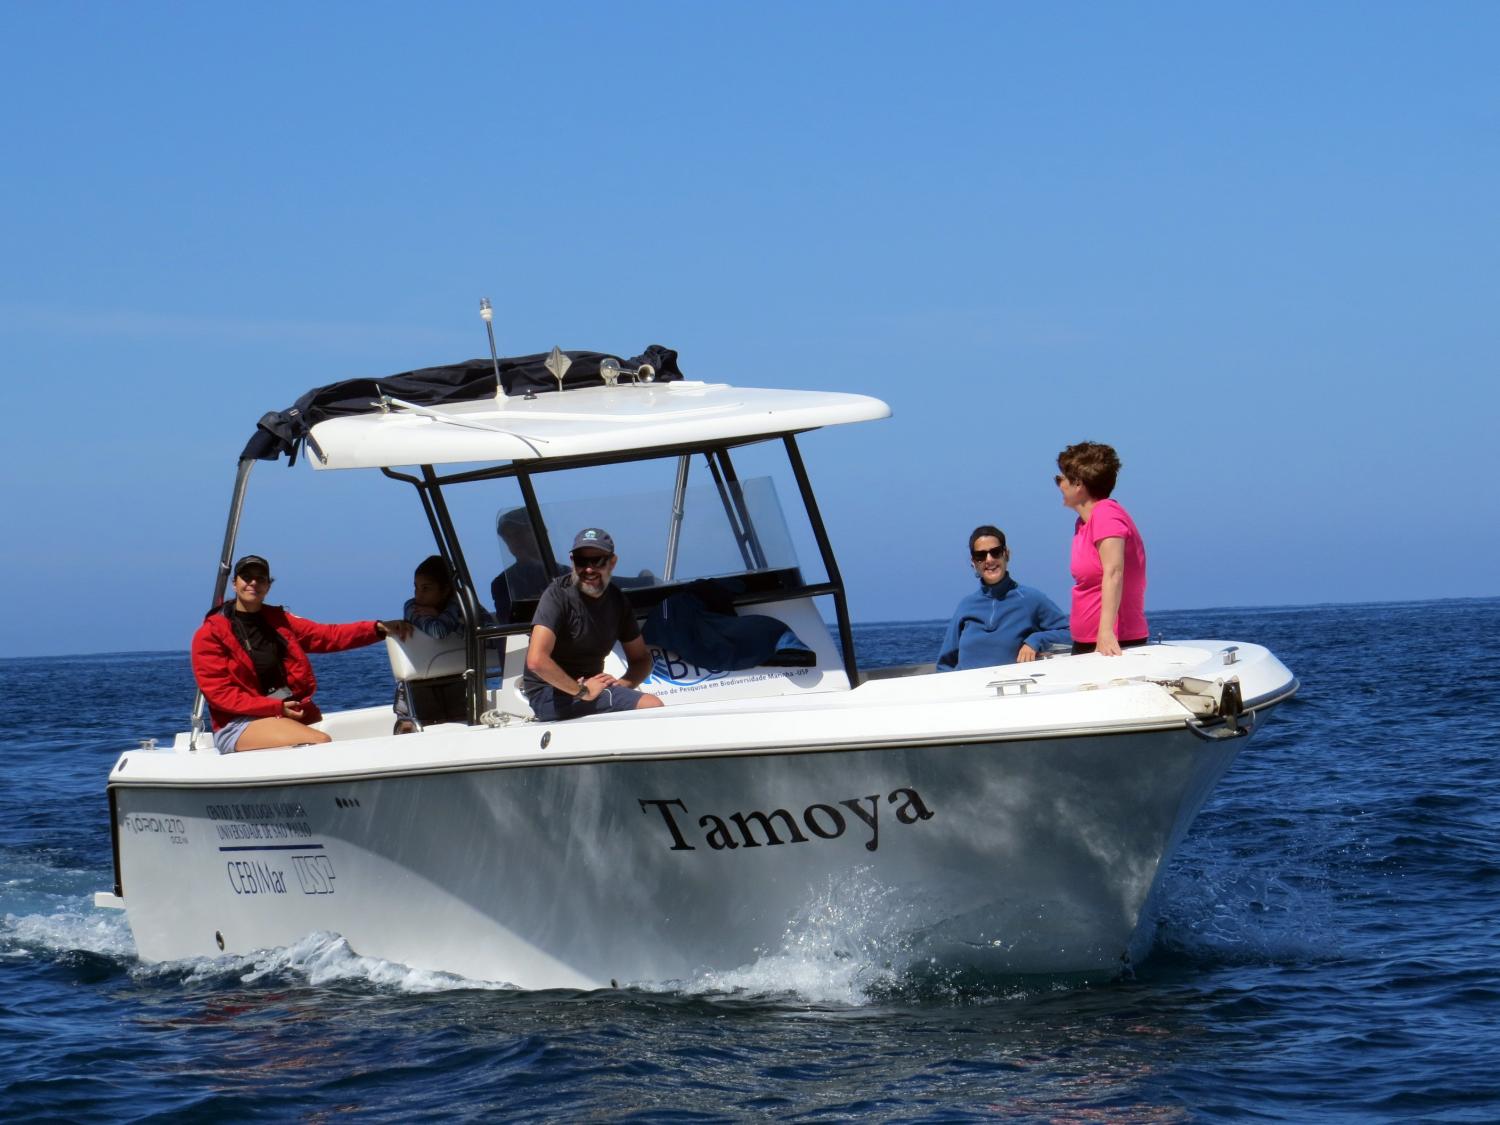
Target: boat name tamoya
x: 822, y: 820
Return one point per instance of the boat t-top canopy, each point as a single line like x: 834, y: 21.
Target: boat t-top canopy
x: 463, y: 413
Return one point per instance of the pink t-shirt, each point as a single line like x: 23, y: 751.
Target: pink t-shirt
x: 1107, y: 520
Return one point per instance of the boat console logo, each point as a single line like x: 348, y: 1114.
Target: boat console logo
x: 668, y: 668
x: 780, y: 826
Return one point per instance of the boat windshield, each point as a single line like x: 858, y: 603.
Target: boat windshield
x: 673, y: 520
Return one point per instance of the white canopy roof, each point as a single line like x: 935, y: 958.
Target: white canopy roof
x: 580, y: 422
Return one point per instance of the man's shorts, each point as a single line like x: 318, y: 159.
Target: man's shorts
x: 551, y: 705
x: 227, y: 737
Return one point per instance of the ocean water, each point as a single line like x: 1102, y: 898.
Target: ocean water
x: 1329, y: 951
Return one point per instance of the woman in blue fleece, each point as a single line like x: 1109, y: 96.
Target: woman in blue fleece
x: 1001, y: 622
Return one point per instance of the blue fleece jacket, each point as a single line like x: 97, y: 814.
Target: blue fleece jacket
x: 991, y: 624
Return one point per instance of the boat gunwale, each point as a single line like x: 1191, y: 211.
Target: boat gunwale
x: 1187, y: 723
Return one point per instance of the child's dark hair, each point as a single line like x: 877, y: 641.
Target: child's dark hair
x: 435, y: 569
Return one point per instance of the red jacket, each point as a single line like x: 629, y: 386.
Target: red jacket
x: 226, y: 674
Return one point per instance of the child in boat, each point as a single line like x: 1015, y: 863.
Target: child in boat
x: 433, y: 608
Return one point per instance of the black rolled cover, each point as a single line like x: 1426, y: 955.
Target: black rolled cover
x: 283, y: 431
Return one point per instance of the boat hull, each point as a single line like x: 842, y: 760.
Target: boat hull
x: 1024, y: 856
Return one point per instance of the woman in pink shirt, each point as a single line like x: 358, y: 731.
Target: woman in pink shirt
x: 1109, y: 558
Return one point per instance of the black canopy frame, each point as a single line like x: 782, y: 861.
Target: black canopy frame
x: 285, y: 432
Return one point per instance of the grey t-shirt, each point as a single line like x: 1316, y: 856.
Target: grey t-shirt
x: 587, y: 628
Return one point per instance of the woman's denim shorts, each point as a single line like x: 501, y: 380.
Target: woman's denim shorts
x: 228, y: 736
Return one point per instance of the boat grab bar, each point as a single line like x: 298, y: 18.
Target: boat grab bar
x: 1021, y: 686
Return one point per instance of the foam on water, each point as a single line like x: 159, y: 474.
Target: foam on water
x: 76, y: 928
x: 856, y: 941
x: 49, y: 909
x: 826, y: 977
x: 320, y: 959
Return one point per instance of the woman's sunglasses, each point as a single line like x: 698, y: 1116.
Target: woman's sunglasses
x: 991, y: 553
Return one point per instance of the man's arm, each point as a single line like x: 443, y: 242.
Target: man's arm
x: 539, y: 663
x: 639, y: 658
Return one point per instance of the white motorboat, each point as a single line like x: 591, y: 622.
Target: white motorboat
x: 1011, y: 819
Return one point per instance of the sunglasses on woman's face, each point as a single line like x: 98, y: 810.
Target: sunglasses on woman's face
x: 991, y: 553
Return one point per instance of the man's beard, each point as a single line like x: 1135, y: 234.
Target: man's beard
x: 592, y: 587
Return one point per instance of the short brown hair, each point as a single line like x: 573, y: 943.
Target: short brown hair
x: 1092, y: 464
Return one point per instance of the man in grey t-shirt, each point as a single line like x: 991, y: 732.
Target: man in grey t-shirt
x: 578, y: 620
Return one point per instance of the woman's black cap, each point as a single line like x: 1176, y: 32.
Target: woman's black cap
x: 252, y: 563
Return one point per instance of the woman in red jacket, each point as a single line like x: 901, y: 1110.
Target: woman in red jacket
x: 250, y: 661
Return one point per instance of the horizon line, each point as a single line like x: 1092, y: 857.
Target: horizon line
x: 890, y: 621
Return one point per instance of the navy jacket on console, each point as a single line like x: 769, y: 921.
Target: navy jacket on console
x: 991, y: 624
x: 701, y: 625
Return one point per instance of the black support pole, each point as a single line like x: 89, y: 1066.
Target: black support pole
x: 830, y: 564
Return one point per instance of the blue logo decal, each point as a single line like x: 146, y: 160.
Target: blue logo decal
x: 673, y: 670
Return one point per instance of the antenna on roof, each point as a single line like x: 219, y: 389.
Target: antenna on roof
x: 487, y: 315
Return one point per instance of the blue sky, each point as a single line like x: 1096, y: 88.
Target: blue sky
x: 1252, y: 247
